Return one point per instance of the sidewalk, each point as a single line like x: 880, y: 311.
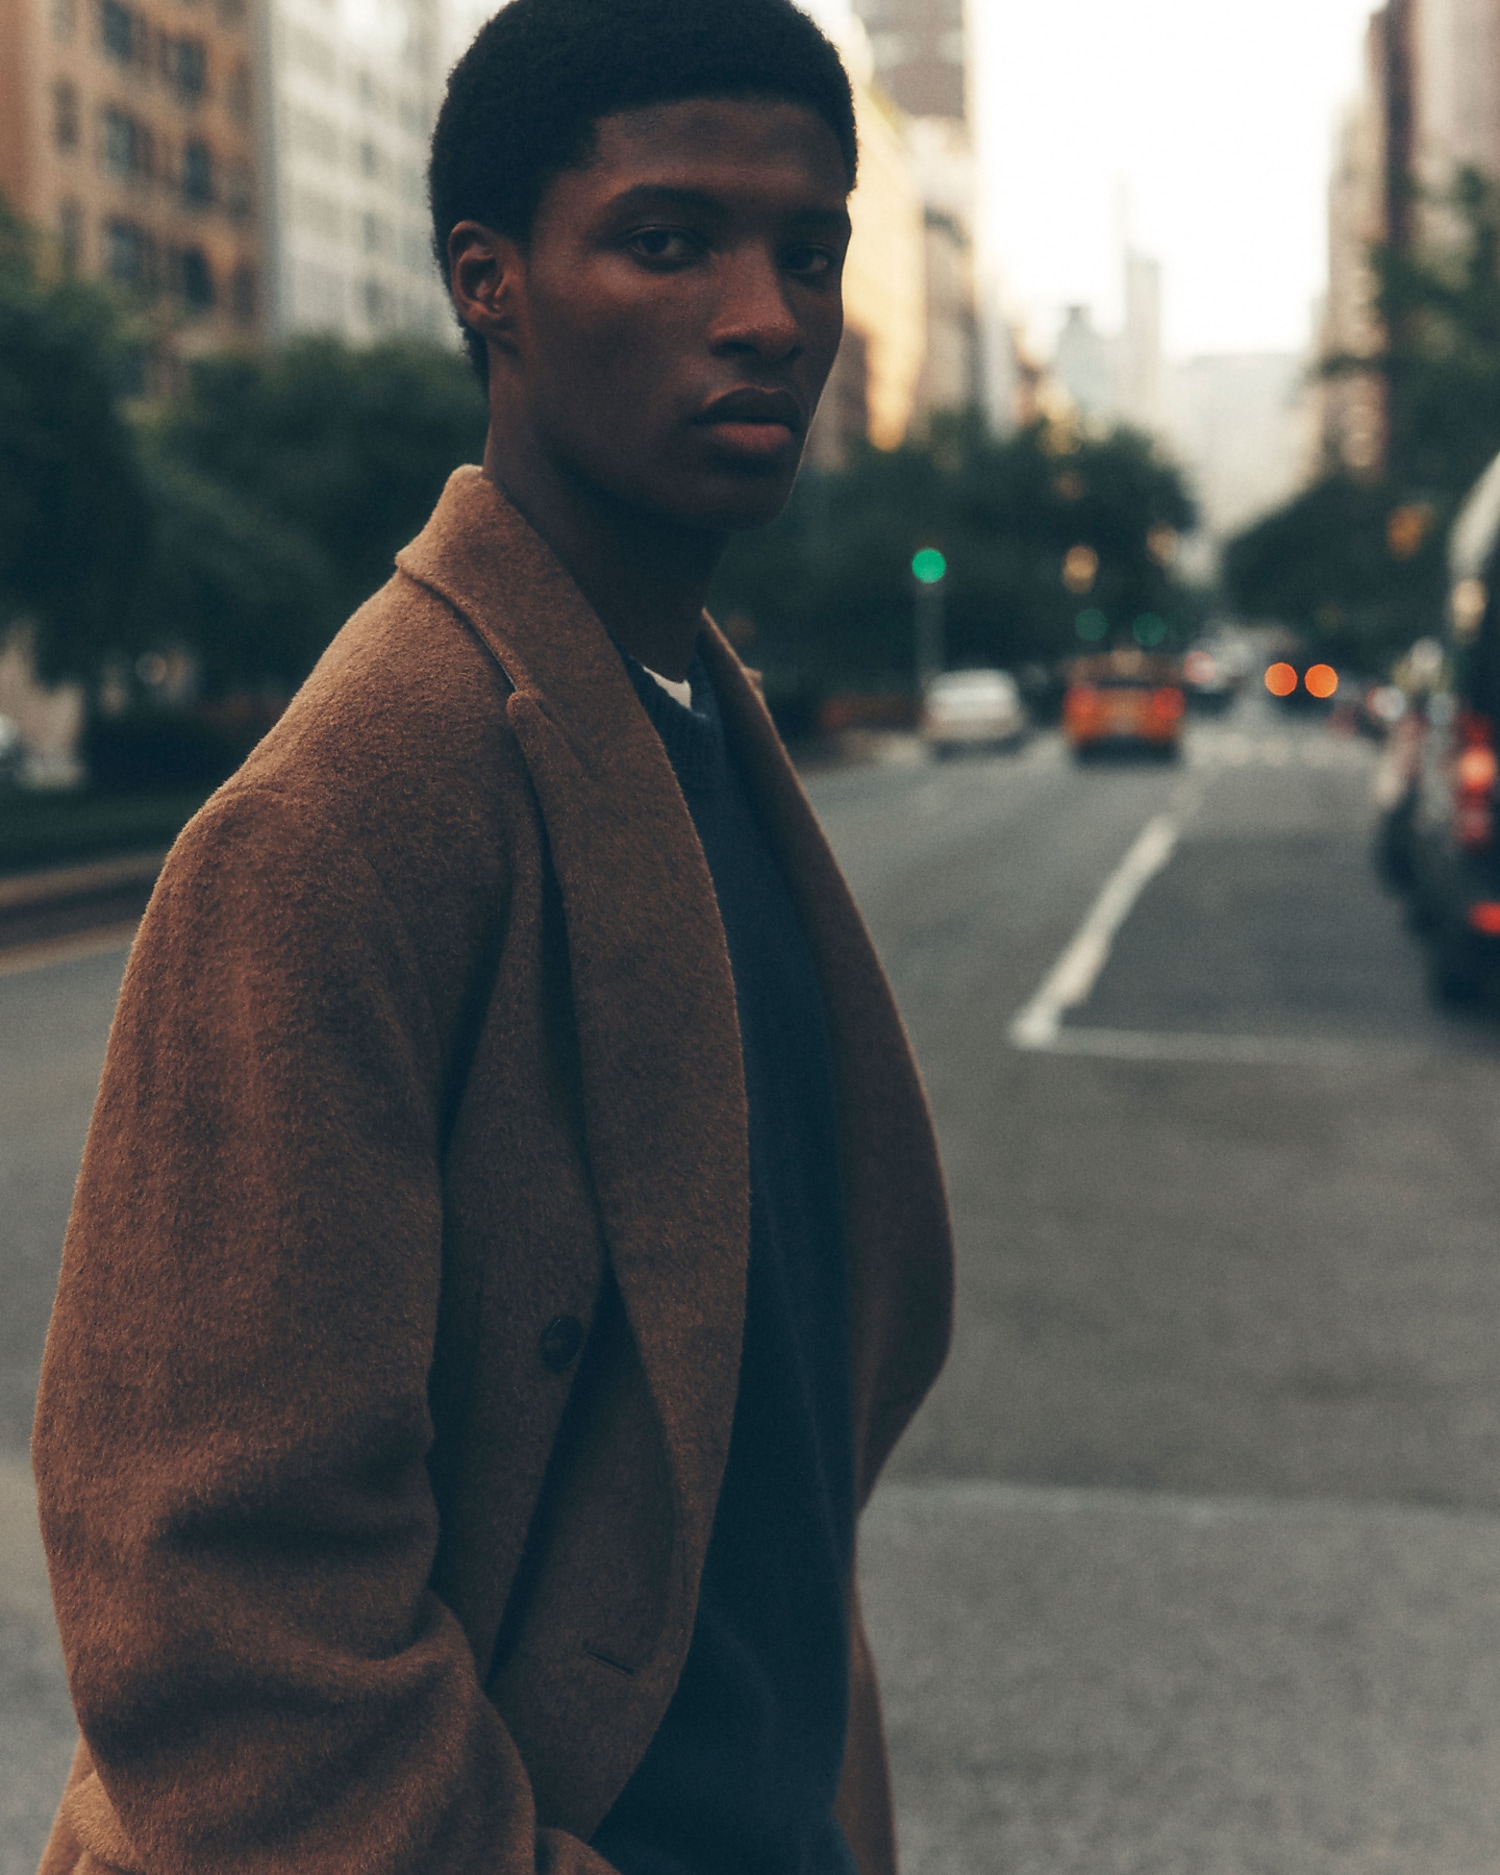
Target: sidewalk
x: 63, y: 911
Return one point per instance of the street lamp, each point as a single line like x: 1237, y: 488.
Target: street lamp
x: 929, y: 569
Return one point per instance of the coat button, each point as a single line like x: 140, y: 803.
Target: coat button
x: 561, y: 1341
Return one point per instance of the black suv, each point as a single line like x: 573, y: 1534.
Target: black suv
x: 1438, y: 833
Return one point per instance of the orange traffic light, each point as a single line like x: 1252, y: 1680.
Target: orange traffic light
x: 1281, y: 680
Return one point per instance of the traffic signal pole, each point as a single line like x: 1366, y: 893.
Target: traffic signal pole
x: 930, y: 572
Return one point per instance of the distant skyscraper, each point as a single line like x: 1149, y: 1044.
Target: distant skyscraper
x: 921, y: 54
x: 1140, y: 343
x: 1085, y: 367
x: 351, y: 91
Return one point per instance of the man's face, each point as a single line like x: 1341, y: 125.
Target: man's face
x: 679, y: 306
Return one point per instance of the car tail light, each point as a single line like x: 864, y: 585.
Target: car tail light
x: 1485, y: 919
x: 1168, y: 703
x: 1475, y: 772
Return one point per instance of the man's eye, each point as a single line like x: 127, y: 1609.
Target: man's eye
x: 665, y: 244
x: 812, y: 263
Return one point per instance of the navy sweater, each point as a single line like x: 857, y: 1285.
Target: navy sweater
x: 741, y: 1777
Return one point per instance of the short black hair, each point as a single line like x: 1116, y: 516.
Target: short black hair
x: 524, y: 100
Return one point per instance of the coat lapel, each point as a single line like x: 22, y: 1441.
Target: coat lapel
x: 664, y: 1101
x: 658, y: 1031
x: 896, y: 1210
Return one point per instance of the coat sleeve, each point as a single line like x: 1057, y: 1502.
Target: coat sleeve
x: 233, y: 1423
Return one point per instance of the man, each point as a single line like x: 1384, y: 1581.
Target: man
x: 510, y: 1239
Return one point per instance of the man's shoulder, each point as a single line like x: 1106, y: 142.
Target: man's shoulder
x: 395, y: 761
x: 406, y: 691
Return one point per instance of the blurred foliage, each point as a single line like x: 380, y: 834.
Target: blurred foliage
x: 324, y: 459
x: 1357, y: 565
x: 825, y: 596
x: 75, y: 511
x: 240, y: 521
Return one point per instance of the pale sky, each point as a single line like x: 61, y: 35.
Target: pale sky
x: 1212, y: 119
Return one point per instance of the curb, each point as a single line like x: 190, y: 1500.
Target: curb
x: 57, y: 885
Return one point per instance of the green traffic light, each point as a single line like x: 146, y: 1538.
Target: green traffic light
x: 929, y: 566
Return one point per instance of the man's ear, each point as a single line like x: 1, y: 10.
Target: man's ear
x: 484, y: 270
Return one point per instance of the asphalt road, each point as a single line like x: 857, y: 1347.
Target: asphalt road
x: 1192, y: 1563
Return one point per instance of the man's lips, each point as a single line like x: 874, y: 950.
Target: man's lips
x: 753, y: 423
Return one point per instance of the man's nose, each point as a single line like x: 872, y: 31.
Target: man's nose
x: 755, y: 313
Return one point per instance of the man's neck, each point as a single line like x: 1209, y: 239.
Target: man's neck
x: 647, y: 579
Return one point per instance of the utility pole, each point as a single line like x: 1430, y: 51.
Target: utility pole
x: 930, y: 571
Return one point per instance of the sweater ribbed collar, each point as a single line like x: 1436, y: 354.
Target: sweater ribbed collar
x: 693, y: 736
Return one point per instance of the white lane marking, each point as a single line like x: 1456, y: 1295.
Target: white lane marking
x: 1269, y: 1051
x: 67, y: 950
x: 1075, y: 973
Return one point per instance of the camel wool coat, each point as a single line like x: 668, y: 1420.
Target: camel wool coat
x: 391, y: 1375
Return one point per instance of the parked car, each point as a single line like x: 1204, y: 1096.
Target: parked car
x: 1208, y: 681
x: 1125, y: 701
x: 1438, y: 837
x: 972, y: 710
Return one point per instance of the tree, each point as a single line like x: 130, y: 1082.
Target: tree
x: 251, y: 598
x: 347, y: 449
x: 75, y: 514
x: 1357, y: 564
x: 828, y: 590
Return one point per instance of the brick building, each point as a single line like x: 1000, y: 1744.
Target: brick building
x: 127, y: 135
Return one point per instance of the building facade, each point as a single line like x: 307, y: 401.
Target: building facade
x: 874, y: 392
x: 1429, y: 105
x: 351, y: 91
x: 921, y: 54
x: 919, y: 50
x: 128, y: 137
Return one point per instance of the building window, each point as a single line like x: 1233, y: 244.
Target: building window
x: 369, y: 158
x: 197, y: 174
x: 242, y: 295
x: 315, y: 135
x: 127, y: 254
x: 64, y: 19
x: 195, y: 281
x: 376, y: 304
x: 239, y: 191
x: 416, y: 250
x: 70, y: 236
x: 239, y: 93
x: 65, y: 114
x: 374, y: 234
x: 187, y: 67
x: 117, y: 31
x: 127, y: 145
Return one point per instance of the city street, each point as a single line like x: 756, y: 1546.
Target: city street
x: 1191, y: 1565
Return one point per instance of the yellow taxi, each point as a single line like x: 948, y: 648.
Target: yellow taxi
x: 1124, y: 700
